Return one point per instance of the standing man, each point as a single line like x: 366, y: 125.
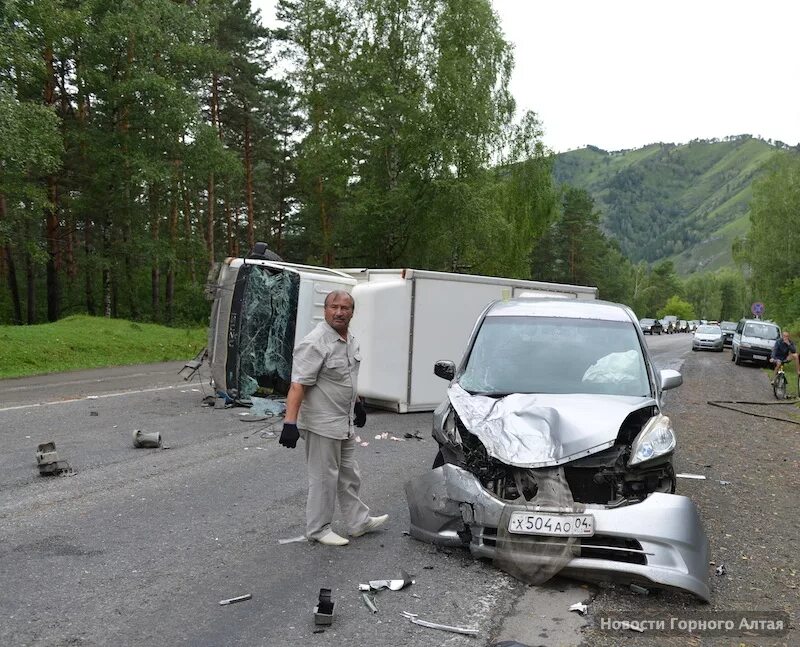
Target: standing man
x: 320, y: 404
x: 783, y: 350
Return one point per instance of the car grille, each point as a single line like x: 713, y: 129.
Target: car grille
x: 615, y: 549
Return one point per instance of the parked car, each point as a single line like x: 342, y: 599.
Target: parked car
x: 693, y: 325
x: 552, y: 431
x: 728, y: 328
x: 707, y: 338
x: 683, y: 325
x: 753, y: 340
x: 651, y: 326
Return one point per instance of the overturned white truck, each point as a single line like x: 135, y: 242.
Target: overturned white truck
x: 405, y: 320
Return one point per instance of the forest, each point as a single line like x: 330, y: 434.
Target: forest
x: 144, y: 141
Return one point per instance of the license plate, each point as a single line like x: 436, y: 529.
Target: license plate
x: 761, y: 357
x: 559, y: 525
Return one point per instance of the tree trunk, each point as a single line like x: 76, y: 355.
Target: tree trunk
x: 155, y: 269
x: 173, y: 244
x: 188, y: 215
x: 53, y: 254
x: 210, y: 221
x: 327, y: 226
x: 248, y: 186
x: 88, y: 248
x: 13, y: 287
x: 30, y: 280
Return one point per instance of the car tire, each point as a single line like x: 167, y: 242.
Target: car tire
x: 733, y: 355
x: 738, y: 360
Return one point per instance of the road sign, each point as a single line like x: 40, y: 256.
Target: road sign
x: 757, y: 308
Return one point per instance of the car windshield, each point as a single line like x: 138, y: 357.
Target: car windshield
x: 647, y: 321
x: 728, y: 326
x: 709, y: 330
x: 555, y: 355
x: 761, y: 330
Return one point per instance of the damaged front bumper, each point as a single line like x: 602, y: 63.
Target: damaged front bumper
x: 659, y: 541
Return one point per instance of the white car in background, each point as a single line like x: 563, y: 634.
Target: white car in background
x: 708, y: 337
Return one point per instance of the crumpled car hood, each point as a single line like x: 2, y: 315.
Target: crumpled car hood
x: 541, y: 430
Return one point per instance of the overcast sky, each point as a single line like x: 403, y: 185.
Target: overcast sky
x: 625, y: 73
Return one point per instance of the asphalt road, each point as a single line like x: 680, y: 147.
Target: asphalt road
x: 139, y: 546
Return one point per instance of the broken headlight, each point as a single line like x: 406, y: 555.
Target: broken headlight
x: 654, y: 440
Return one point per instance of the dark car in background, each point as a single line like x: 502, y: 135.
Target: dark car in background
x: 728, y: 328
x: 651, y: 326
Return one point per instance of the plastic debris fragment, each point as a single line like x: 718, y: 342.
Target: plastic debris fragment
x: 698, y: 477
x: 293, y: 540
x: 580, y: 607
x: 240, y: 598
x: 469, y: 631
x: 640, y: 590
x: 401, y: 582
x: 323, y: 612
x: 369, y: 601
x: 720, y: 570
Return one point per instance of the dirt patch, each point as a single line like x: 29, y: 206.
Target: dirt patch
x: 748, y: 502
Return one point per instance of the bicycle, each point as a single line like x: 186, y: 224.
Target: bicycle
x: 780, y: 384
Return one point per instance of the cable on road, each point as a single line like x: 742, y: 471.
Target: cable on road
x: 724, y: 404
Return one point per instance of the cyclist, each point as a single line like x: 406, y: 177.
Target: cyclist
x: 784, y: 350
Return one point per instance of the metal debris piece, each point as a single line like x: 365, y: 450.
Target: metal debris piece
x: 580, y: 607
x: 49, y: 463
x: 724, y: 482
x: 469, y: 631
x: 416, y: 435
x: 146, y: 439
x: 403, y: 581
x: 323, y: 612
x: 369, y: 601
x: 239, y: 598
x: 699, y: 477
x: 639, y: 589
x: 720, y: 570
x: 292, y: 540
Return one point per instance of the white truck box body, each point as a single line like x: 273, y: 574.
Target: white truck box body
x: 406, y: 320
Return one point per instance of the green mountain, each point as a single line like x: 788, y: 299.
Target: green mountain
x: 683, y: 202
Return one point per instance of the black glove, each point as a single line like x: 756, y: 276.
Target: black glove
x: 359, y: 414
x: 289, y: 435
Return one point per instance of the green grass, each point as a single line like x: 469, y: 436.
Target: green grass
x: 80, y: 342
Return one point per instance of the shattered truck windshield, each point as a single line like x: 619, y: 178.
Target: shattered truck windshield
x: 555, y: 355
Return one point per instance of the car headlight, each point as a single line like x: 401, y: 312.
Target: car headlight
x: 655, y: 439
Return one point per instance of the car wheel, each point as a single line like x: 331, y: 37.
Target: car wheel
x: 733, y: 355
x: 738, y: 360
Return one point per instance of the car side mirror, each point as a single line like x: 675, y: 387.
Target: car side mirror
x: 445, y: 369
x: 670, y: 379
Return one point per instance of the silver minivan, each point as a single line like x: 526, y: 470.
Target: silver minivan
x: 753, y: 341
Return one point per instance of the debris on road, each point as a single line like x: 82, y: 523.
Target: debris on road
x: 146, y: 439
x: 369, y: 601
x: 639, y: 590
x: 469, y: 631
x: 698, y: 477
x: 323, y: 612
x: 240, y: 598
x: 720, y: 570
x: 293, y: 540
x: 580, y: 607
x: 93, y: 413
x: 724, y: 482
x: 403, y: 580
x: 416, y: 435
x: 49, y: 463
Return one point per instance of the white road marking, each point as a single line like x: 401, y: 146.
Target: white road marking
x: 86, y: 397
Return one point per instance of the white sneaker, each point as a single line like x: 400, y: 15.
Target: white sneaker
x: 330, y: 538
x: 373, y: 523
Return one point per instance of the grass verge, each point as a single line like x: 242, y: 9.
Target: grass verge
x: 80, y: 342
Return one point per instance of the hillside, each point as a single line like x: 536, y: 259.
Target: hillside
x: 682, y: 202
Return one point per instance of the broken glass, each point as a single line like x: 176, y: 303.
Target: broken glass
x: 266, y: 332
